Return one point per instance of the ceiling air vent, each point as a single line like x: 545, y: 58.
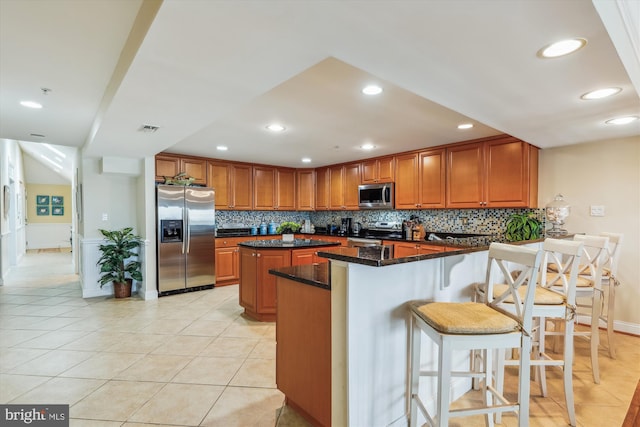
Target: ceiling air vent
x: 148, y: 128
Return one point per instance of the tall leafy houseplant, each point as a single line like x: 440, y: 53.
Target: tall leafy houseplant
x: 119, y: 248
x: 523, y: 226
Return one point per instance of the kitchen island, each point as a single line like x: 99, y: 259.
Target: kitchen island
x: 257, y: 257
x: 363, y: 345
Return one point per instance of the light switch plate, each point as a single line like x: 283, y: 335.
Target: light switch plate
x: 105, y: 217
x: 597, y: 210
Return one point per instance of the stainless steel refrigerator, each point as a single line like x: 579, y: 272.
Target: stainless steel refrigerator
x: 186, y: 238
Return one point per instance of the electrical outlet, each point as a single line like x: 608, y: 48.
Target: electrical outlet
x: 597, y: 210
x: 105, y: 217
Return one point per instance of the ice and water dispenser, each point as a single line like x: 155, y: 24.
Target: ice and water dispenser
x: 171, y: 230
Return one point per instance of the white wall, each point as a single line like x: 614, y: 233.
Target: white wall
x: 127, y: 200
x: 606, y: 173
x: 12, y: 235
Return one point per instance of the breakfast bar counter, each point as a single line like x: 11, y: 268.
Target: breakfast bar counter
x: 356, y: 308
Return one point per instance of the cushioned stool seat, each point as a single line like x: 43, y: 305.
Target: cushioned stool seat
x: 467, y: 318
x: 541, y: 296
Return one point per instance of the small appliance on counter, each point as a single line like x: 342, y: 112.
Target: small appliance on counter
x: 345, y: 226
x: 233, y: 229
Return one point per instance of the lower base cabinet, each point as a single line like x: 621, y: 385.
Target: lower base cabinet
x: 403, y: 249
x: 303, y: 349
x: 257, y: 286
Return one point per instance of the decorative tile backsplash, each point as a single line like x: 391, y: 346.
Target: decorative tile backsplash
x: 452, y: 220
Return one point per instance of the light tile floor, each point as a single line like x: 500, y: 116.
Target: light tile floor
x: 194, y: 360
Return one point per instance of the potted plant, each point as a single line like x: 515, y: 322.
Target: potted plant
x: 287, y: 229
x: 113, y: 263
x: 524, y: 226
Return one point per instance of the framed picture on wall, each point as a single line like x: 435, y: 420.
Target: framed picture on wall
x: 42, y: 210
x: 42, y: 200
x: 57, y: 210
x: 57, y: 200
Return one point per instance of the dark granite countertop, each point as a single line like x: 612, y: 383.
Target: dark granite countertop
x: 281, y: 244
x: 377, y: 256
x: 309, y: 274
x: 382, y: 255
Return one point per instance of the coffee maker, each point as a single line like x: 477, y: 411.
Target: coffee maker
x: 345, y: 226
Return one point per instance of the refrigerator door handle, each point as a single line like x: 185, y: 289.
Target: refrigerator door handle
x: 188, y: 239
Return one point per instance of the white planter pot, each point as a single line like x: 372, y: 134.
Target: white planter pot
x: 287, y: 237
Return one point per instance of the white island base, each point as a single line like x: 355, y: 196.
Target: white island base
x: 369, y: 333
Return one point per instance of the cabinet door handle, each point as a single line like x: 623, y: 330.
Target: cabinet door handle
x: 258, y: 255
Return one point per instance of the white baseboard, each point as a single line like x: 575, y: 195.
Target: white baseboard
x: 618, y: 325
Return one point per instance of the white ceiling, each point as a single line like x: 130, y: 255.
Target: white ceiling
x: 217, y: 72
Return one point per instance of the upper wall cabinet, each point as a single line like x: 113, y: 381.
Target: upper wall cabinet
x: 420, y: 180
x: 500, y: 172
x: 343, y: 186
x: 274, y: 188
x: 305, y: 190
x: 377, y: 170
x: 323, y: 176
x: 171, y: 165
x: 233, y: 184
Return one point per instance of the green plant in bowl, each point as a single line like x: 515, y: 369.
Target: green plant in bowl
x: 288, y: 227
x: 524, y: 226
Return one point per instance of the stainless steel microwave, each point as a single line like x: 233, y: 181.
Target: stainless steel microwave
x: 375, y: 196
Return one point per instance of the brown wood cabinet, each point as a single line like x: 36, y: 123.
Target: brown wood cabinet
x: 322, y: 188
x: 285, y: 192
x: 305, y: 190
x: 303, y: 349
x: 493, y: 172
x: 377, y: 170
x: 274, y: 188
x: 172, y: 165
x: 404, y: 249
x: 257, y: 286
x: 228, y: 260
x: 420, y: 180
x: 264, y: 184
x: 343, y: 186
x: 233, y: 184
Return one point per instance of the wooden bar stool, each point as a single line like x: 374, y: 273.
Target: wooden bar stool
x: 477, y: 326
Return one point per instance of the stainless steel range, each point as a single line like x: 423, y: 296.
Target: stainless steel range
x: 385, y: 230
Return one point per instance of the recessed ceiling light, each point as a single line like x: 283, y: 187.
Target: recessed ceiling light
x: 367, y: 146
x: 622, y: 120
x: 306, y: 160
x: 372, y: 90
x: 465, y: 126
x: 561, y: 48
x: 276, y: 127
x: 601, y: 93
x: 31, y: 104
x: 222, y: 148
